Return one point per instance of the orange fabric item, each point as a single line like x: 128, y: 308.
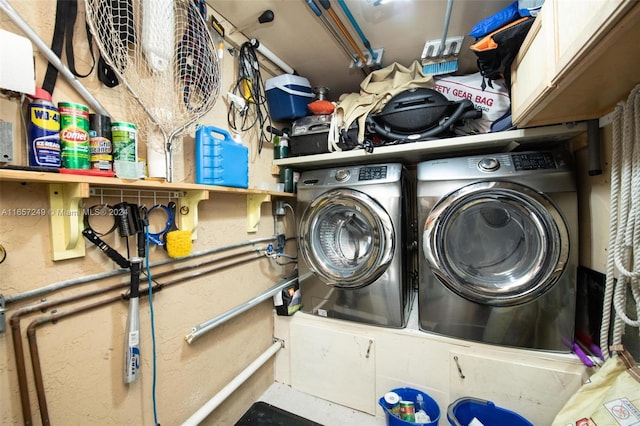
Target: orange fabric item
x: 488, y: 43
x: 321, y: 107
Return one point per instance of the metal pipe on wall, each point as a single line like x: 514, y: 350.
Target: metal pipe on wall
x: 14, y: 322
x: 234, y: 384
x: 30, y: 294
x: 54, y: 317
x: 103, y: 275
x: 35, y: 355
x: 205, y: 327
x: 16, y: 333
x: 18, y: 349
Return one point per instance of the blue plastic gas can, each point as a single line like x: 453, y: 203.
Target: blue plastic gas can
x: 219, y: 159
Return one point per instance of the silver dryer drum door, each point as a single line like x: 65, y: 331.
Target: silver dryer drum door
x: 496, y: 243
x: 347, y: 238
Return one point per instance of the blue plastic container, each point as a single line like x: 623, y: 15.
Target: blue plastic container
x: 409, y: 394
x: 462, y: 411
x: 288, y: 96
x: 219, y: 159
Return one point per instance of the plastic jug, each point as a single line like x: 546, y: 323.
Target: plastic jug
x: 219, y: 159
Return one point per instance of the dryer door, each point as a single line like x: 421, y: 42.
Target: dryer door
x: 496, y: 243
x: 347, y: 238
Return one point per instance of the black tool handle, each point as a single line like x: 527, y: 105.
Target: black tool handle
x: 136, y: 265
x: 142, y: 238
x: 111, y: 253
x: 275, y: 131
x: 325, y: 4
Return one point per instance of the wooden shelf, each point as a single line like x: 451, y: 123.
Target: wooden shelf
x: 7, y: 175
x: 67, y: 191
x: 414, y: 152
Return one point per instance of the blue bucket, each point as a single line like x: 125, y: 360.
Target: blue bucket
x: 462, y: 411
x: 409, y: 394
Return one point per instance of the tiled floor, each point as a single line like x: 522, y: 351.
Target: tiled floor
x: 316, y: 409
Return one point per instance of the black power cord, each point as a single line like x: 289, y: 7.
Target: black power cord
x: 250, y: 87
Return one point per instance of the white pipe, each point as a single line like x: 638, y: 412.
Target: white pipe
x: 234, y: 384
x: 201, y: 329
x: 272, y: 56
x: 52, y: 58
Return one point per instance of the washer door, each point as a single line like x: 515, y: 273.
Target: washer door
x: 347, y: 238
x: 496, y: 243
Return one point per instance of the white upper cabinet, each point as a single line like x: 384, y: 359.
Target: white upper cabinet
x: 579, y: 59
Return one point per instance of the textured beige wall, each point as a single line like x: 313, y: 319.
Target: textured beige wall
x: 82, y: 355
x: 594, y: 196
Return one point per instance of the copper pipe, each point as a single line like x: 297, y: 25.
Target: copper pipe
x: 54, y: 317
x: 18, y: 349
x: 35, y: 356
x: 16, y: 333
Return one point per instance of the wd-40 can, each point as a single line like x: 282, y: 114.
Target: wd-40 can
x: 74, y: 135
x: 44, y: 131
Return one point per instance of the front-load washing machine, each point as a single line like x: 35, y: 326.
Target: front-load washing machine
x: 499, y: 248
x: 357, y: 248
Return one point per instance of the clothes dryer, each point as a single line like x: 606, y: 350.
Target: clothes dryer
x: 357, y: 248
x: 499, y: 248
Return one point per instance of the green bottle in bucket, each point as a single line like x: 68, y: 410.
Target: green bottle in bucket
x: 74, y: 136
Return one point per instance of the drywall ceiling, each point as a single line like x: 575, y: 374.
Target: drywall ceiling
x: 401, y: 28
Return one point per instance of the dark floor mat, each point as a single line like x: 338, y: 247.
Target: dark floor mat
x: 262, y: 413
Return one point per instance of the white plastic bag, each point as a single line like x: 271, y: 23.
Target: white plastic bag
x: 494, y: 101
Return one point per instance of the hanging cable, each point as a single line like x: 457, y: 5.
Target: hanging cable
x: 153, y: 328
x: 249, y: 109
x: 623, y: 256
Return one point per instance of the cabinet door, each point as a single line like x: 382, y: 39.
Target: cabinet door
x: 579, y: 26
x: 334, y: 365
x: 573, y: 51
x: 534, y: 67
x: 532, y: 385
